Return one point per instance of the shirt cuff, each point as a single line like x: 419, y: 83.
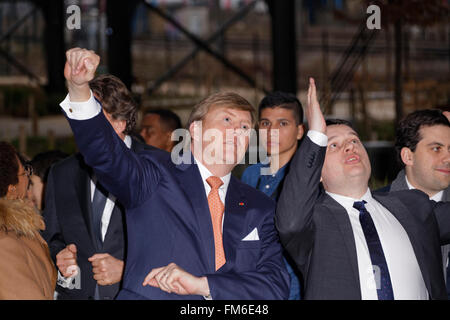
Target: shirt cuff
x: 208, y: 297
x: 63, y: 281
x: 318, y: 138
x: 81, y: 110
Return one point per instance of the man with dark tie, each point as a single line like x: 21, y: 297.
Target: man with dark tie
x: 194, y: 231
x: 86, y: 229
x: 348, y: 242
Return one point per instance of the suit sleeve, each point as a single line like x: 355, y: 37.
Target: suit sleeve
x: 52, y: 233
x: 269, y: 280
x: 128, y: 176
x: 301, y: 189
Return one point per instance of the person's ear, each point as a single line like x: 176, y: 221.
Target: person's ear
x: 407, y: 156
x: 300, y: 131
x: 119, y: 126
x: 11, y: 193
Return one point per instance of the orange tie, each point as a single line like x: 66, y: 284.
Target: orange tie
x: 216, y: 208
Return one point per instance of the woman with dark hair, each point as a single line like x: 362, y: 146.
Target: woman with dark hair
x: 26, y: 269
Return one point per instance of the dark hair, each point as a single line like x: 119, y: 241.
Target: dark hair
x: 9, y: 167
x: 407, y: 133
x: 115, y: 99
x: 169, y: 120
x: 283, y: 100
x: 42, y: 162
x: 334, y: 122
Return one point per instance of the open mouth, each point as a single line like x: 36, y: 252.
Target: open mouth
x: 352, y: 159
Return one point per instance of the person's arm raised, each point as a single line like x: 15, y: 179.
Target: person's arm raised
x: 80, y: 68
x: 129, y: 177
x: 295, y: 207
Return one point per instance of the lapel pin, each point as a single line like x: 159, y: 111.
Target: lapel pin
x: 241, y: 204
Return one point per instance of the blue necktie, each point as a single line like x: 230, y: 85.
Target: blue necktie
x: 98, y: 205
x: 380, y: 268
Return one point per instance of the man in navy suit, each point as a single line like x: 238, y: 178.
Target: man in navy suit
x: 194, y: 231
x: 81, y: 235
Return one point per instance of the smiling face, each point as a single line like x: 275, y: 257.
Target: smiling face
x: 225, y: 136
x: 346, y: 169
x: 428, y: 167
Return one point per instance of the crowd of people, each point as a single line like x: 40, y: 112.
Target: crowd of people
x: 126, y: 218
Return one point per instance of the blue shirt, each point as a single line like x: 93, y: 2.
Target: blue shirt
x: 268, y: 184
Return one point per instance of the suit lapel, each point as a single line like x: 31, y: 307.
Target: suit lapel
x: 192, y: 185
x: 400, y: 182
x: 83, y: 189
x: 345, y: 226
x: 446, y: 195
x: 234, y: 219
x: 401, y: 213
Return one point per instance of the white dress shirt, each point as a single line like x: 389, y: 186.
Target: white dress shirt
x: 406, y: 277
x: 110, y: 201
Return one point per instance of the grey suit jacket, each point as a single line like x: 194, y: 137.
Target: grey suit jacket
x: 400, y: 184
x: 317, y: 233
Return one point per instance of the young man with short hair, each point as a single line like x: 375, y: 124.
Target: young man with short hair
x: 280, y: 130
x: 423, y: 148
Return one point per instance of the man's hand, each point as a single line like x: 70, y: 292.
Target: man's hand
x: 66, y: 261
x: 79, y: 70
x: 314, y: 115
x: 107, y: 269
x: 173, y: 279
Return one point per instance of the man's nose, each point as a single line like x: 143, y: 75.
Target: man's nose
x: 349, y: 146
x: 446, y: 159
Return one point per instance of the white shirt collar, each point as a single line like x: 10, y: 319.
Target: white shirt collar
x: 205, y: 173
x: 127, y: 141
x: 347, y: 202
x: 437, y: 197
